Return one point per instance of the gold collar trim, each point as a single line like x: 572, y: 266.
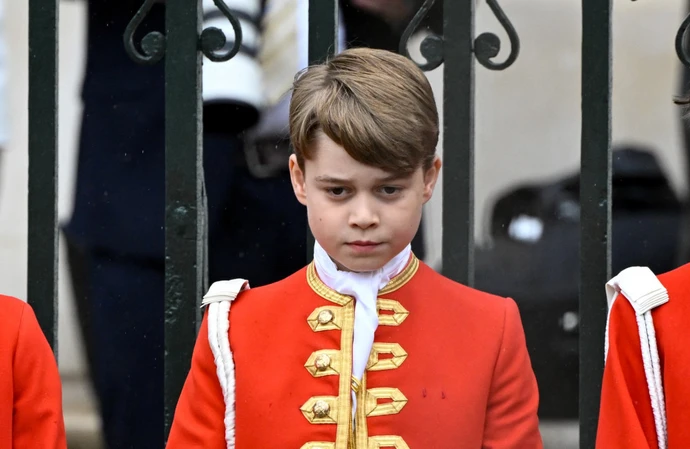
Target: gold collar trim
x: 403, y: 278
x: 328, y: 293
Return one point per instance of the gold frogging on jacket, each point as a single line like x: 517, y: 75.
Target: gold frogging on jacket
x: 325, y: 362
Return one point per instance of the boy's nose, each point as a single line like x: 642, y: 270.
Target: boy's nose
x: 363, y: 215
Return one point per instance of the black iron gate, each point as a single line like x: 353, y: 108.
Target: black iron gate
x: 184, y: 43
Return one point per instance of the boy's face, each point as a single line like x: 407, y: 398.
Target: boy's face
x: 361, y: 215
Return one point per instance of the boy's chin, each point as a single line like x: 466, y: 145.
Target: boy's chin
x: 360, y: 265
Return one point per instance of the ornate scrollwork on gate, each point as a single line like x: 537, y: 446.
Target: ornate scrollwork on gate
x: 432, y: 45
x: 153, y: 44
x: 486, y: 45
x: 681, y: 42
x: 211, y: 41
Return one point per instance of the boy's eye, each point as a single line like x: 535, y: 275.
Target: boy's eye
x: 336, y: 191
x: 390, y: 190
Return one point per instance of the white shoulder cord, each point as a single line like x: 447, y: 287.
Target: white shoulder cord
x: 218, y: 300
x: 644, y: 291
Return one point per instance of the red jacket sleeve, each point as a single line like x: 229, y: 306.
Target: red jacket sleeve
x: 511, y: 417
x: 625, y: 417
x: 200, y: 413
x: 38, y: 421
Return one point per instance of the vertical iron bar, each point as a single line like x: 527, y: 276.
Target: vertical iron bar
x: 323, y: 43
x: 43, y: 165
x: 323, y: 30
x: 458, y: 141
x: 184, y: 211
x: 595, y: 197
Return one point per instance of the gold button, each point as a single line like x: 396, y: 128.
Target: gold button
x: 325, y: 317
x: 321, y: 409
x: 322, y: 362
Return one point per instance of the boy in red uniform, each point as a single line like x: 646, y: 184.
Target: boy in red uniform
x: 367, y: 347
x: 646, y: 385
x: 30, y: 391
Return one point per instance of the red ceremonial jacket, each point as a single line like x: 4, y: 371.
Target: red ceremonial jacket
x: 30, y: 391
x: 449, y: 369
x: 626, y: 419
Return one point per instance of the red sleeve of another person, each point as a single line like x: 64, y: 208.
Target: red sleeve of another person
x: 37, y: 416
x: 626, y: 419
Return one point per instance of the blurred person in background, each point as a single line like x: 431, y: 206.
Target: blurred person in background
x: 115, y: 234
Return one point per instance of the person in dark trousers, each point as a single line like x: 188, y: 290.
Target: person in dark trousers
x: 115, y: 235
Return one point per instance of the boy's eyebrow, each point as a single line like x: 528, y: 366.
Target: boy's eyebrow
x: 331, y: 180
x: 334, y: 180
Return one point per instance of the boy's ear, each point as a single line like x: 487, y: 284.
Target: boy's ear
x: 297, y: 179
x: 430, y: 178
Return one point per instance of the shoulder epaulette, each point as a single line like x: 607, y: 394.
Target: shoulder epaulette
x: 224, y: 291
x: 640, y: 286
x: 644, y: 292
x: 218, y: 299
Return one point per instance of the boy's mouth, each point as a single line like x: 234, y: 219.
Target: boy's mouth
x: 363, y: 245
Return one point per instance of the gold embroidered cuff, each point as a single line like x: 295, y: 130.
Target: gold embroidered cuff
x: 325, y: 362
x: 321, y: 410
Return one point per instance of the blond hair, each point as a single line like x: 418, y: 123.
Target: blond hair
x: 376, y: 104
